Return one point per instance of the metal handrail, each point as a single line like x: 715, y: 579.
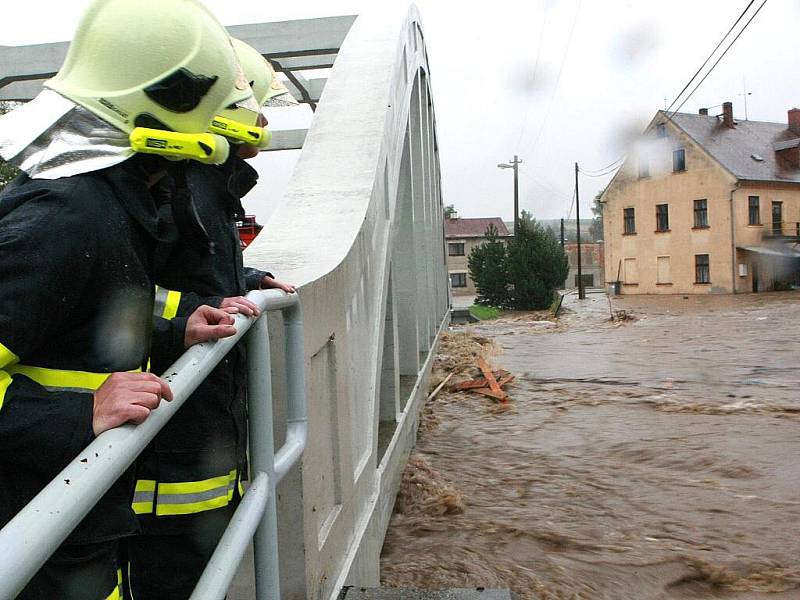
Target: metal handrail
x: 31, y: 537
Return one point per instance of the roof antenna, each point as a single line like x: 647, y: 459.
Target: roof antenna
x: 745, y: 94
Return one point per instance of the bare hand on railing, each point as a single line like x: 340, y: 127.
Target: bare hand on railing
x: 208, y: 323
x: 127, y: 397
x: 268, y: 283
x: 241, y: 305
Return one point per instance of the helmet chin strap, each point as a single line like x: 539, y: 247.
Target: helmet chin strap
x: 174, y: 191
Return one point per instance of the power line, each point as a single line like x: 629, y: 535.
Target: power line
x: 610, y: 168
x: 558, y: 78
x: 741, y: 31
x: 705, y: 62
x: 569, y: 214
x: 535, y: 70
x: 617, y: 163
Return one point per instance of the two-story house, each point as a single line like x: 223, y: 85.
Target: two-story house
x: 461, y: 236
x: 706, y: 203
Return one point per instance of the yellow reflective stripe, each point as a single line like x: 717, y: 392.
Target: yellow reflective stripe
x: 5, y: 381
x: 61, y: 379
x: 117, y: 593
x: 183, y: 498
x: 143, y: 496
x: 171, y: 307
x: 7, y: 357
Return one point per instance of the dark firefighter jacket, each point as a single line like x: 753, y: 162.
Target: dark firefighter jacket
x: 195, y: 462
x: 76, y: 298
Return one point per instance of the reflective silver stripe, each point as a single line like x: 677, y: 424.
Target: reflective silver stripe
x: 160, y: 301
x: 143, y: 497
x: 51, y: 388
x: 211, y: 494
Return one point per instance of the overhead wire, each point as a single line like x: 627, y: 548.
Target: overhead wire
x: 558, y: 77
x: 705, y: 62
x: 617, y: 163
x: 741, y: 31
x: 535, y: 70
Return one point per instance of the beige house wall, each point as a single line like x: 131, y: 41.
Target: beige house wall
x: 634, y: 258
x: 459, y: 264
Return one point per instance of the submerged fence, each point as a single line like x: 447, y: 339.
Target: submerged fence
x: 29, y: 539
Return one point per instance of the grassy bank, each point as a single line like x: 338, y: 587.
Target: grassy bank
x: 485, y: 312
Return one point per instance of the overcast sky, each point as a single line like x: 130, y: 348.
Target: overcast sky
x: 554, y: 81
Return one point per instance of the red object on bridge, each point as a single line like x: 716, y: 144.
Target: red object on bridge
x: 248, y: 229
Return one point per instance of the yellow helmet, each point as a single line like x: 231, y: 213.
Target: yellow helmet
x: 239, y: 122
x: 162, y: 64
x: 260, y: 75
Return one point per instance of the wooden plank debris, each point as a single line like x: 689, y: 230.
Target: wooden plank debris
x: 489, y: 383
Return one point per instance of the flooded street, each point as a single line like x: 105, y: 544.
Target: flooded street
x: 653, y: 458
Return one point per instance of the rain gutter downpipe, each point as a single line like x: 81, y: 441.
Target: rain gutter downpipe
x: 733, y: 241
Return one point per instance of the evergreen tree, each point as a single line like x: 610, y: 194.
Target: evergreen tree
x: 536, y: 265
x: 487, y: 267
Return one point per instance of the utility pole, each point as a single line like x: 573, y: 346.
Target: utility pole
x: 581, y: 292
x: 562, y: 233
x: 514, y: 164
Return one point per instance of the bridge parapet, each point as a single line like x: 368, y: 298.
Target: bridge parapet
x: 360, y: 231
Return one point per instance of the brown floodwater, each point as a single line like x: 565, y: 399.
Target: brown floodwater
x: 654, y: 458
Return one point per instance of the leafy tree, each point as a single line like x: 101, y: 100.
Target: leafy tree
x: 7, y: 171
x: 449, y: 211
x: 536, y: 265
x: 487, y: 267
x: 596, y: 228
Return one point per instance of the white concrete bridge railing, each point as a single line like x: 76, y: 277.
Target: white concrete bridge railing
x: 361, y: 231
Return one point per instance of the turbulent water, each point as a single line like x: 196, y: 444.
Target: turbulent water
x: 655, y: 458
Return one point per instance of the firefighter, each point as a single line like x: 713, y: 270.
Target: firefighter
x: 188, y: 480
x: 140, y: 84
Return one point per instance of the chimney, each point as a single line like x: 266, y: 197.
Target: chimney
x: 794, y: 120
x: 703, y: 111
x: 727, y: 114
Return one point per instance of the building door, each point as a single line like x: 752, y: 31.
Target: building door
x: 777, y: 217
x: 754, y: 271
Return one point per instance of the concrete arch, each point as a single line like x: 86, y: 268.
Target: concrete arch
x: 361, y: 233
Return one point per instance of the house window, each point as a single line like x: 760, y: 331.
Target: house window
x: 630, y: 274
x: 754, y: 210
x: 701, y: 269
x: 679, y: 160
x: 662, y: 217
x: 663, y: 275
x: 777, y: 218
x: 701, y: 213
x: 644, y: 167
x: 458, y: 280
x: 661, y: 130
x: 455, y: 249
x: 630, y: 220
